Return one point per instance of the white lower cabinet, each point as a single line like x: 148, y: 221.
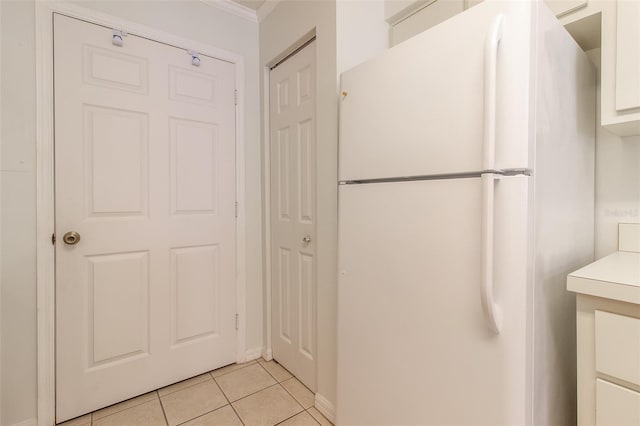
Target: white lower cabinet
x: 618, y: 346
x: 616, y: 405
x: 608, y: 362
x: 608, y: 334
x: 617, y: 360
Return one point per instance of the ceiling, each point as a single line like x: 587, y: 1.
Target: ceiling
x: 253, y: 4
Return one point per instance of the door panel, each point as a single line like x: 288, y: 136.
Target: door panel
x: 293, y: 204
x: 409, y: 304
x: 119, y: 307
x: 116, y: 139
x: 145, y: 173
x: 195, y: 283
x: 193, y: 169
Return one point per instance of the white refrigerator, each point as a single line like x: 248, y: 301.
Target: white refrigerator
x: 466, y: 195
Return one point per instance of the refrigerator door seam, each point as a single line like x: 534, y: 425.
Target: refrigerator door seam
x: 462, y: 175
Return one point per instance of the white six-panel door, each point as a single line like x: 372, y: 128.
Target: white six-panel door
x: 293, y: 214
x: 145, y: 174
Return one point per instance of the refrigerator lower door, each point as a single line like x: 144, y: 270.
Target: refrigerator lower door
x: 414, y: 345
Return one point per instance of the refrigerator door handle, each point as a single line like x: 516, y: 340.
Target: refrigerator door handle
x: 491, y: 310
x: 490, y: 82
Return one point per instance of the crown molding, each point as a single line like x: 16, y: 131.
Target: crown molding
x: 266, y: 8
x: 234, y: 8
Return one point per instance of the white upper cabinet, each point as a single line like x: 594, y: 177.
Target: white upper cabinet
x: 411, y: 17
x: 628, y: 55
x: 425, y: 17
x: 563, y: 7
x: 620, y: 60
x: 613, y: 25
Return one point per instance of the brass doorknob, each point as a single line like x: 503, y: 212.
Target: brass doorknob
x: 71, y: 238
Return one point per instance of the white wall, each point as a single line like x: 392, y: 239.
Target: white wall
x: 361, y: 31
x: 347, y: 33
x: 189, y: 19
x: 617, y: 181
x: 283, y: 27
x: 17, y: 245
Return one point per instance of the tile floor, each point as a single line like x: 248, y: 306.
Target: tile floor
x: 254, y: 393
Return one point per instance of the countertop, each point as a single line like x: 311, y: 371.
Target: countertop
x: 616, y: 277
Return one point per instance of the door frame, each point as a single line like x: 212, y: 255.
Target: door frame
x: 45, y: 175
x: 267, y: 352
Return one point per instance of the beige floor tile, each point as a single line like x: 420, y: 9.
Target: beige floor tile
x: 276, y: 370
x: 304, y: 396
x: 184, y: 384
x: 224, y: 416
x: 267, y: 407
x: 230, y: 368
x: 245, y: 381
x: 319, y: 417
x: 191, y: 402
x: 78, y: 421
x: 147, y: 414
x: 302, y: 419
x: 138, y: 400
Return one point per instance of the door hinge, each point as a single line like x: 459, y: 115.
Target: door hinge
x: 236, y: 209
x: 53, y: 239
x: 237, y: 321
x: 235, y: 97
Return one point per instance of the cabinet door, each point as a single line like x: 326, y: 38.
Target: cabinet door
x: 425, y: 18
x: 618, y: 346
x: 616, y: 406
x: 563, y: 7
x: 628, y: 55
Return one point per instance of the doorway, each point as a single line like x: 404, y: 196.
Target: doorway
x: 146, y: 215
x: 293, y: 249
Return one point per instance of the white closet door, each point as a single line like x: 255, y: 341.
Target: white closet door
x: 145, y: 174
x: 293, y: 214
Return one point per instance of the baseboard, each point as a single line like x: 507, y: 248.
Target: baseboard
x: 267, y: 354
x: 28, y: 422
x: 254, y: 354
x: 327, y: 409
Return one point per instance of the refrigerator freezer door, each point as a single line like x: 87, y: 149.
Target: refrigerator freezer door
x: 418, y: 108
x: 414, y: 346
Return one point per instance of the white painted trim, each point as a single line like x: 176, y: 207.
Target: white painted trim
x: 266, y: 8
x: 408, y: 11
x: 255, y: 353
x: 325, y: 407
x: 267, y: 213
x: 28, y: 422
x: 0, y: 214
x: 45, y: 224
x: 234, y: 9
x: 241, y: 227
x: 267, y: 354
x: 45, y: 181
